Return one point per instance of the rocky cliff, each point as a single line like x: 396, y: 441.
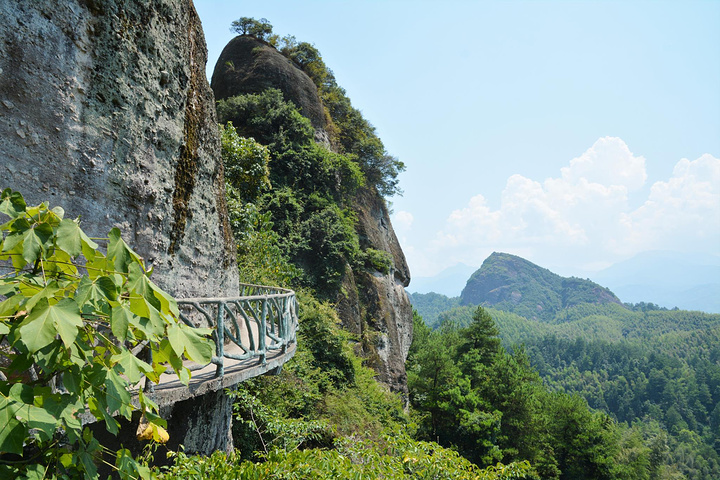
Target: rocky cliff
x: 371, y: 303
x: 105, y: 110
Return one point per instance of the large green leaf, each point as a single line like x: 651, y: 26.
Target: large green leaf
x: 68, y: 237
x: 9, y: 306
x: 71, y: 239
x: 68, y: 320
x: 45, y: 321
x: 38, y: 329
x: 133, y: 368
x: 96, y: 291
x: 34, y: 239
x: 138, y: 283
x: 120, y: 320
x: 12, y: 431
x: 120, y: 253
x: 185, y: 339
x: 168, y: 304
x: 96, y: 265
x: 117, y: 396
x: 47, y: 292
x: 12, y: 203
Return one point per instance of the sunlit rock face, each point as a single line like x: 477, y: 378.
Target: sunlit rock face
x: 105, y: 110
x: 373, y: 305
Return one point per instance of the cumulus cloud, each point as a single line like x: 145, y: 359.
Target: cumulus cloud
x: 584, y: 212
x: 402, y: 220
x: 686, y: 208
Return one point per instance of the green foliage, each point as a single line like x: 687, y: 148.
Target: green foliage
x: 431, y: 305
x: 267, y: 118
x: 70, y: 318
x: 655, y: 369
x: 260, y: 29
x: 492, y: 406
x: 350, y: 131
x: 313, y: 189
x: 377, y: 260
x: 246, y: 164
x: 397, y: 457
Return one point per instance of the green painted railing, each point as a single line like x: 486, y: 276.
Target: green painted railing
x: 241, y: 320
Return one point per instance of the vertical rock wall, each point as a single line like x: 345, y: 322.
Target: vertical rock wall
x: 375, y: 305
x: 105, y: 110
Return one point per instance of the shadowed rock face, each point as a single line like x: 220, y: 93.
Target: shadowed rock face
x: 381, y: 313
x: 373, y: 305
x: 247, y: 65
x: 105, y: 110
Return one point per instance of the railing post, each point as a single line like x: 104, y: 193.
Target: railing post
x: 220, y: 336
x: 262, y: 331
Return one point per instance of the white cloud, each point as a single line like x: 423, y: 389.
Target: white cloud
x: 402, y: 220
x: 583, y: 216
x: 682, y: 212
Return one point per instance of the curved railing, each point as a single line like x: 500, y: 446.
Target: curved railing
x: 261, y: 320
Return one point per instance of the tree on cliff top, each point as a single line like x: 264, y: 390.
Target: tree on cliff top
x: 260, y: 29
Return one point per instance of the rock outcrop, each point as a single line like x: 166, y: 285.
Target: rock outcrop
x: 248, y: 65
x: 514, y: 284
x: 381, y: 312
x: 373, y: 305
x: 105, y: 110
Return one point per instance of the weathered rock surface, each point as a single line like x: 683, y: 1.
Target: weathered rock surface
x: 373, y: 305
x: 381, y: 313
x: 105, y: 110
x: 248, y: 65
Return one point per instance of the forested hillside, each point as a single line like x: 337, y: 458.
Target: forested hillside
x: 511, y: 283
x: 655, y: 371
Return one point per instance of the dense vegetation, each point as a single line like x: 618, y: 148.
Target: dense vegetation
x: 655, y: 371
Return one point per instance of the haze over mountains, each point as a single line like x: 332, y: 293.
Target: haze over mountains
x: 668, y: 279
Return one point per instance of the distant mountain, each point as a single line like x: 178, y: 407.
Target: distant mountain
x: 688, y: 281
x: 508, y: 282
x: 449, y: 282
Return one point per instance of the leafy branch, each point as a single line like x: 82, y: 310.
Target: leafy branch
x: 72, y: 320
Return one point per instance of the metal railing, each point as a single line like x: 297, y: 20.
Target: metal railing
x: 261, y: 320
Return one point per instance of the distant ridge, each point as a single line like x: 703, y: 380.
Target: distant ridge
x: 511, y: 283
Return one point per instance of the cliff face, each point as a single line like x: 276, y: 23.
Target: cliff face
x: 381, y: 312
x: 106, y: 111
x: 372, y: 304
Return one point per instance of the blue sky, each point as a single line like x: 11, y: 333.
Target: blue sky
x: 574, y: 134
